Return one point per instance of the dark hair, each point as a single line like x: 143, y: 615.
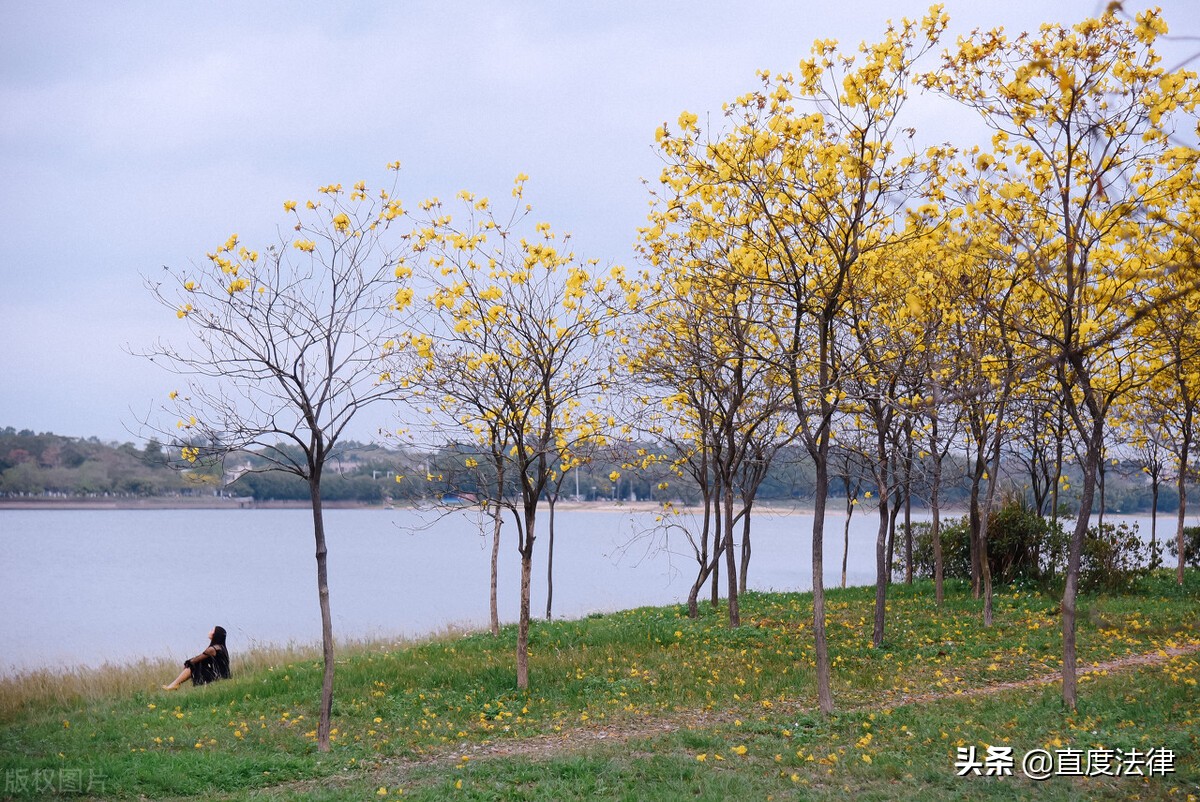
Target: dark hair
x: 218, y: 637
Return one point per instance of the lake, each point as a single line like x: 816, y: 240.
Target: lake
x: 88, y: 586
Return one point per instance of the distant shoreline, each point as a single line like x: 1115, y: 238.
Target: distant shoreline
x: 167, y: 503
x: 234, y: 503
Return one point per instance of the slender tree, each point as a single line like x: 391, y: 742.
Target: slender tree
x: 284, y: 350
x: 1083, y: 117
x: 513, y: 336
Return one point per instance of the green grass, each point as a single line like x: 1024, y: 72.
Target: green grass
x: 683, y: 688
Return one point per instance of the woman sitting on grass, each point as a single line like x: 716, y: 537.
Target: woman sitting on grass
x: 211, y: 664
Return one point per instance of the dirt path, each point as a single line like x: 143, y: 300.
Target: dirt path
x: 1132, y: 661
x: 571, y: 740
x: 575, y: 740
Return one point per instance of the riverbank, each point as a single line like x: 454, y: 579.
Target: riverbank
x: 649, y: 703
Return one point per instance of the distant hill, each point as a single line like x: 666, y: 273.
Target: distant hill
x: 51, y: 464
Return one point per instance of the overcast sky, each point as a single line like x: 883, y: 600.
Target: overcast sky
x: 137, y: 135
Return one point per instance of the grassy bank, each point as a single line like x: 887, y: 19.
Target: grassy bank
x: 644, y: 704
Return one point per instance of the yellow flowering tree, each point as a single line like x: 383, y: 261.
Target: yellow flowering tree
x: 1083, y: 117
x: 283, y: 349
x: 1165, y: 413
x: 809, y: 178
x: 706, y: 392
x: 512, y: 349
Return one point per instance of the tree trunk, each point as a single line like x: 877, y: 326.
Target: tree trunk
x: 325, y: 720
x: 1071, y: 589
x: 550, y: 501
x: 820, y: 644
x: 497, y: 520
x: 935, y: 529
x: 881, y: 576
x: 985, y: 565
x: 526, y: 575
x: 893, y: 514
x: 1154, y: 561
x: 908, y: 536
x: 494, y: 609
x: 719, y: 543
x: 693, y: 603
x: 1183, y: 461
x: 705, y: 569
x: 1060, y: 436
x: 846, y: 534
x: 745, y: 548
x: 735, y: 618
x: 976, y: 480
x: 523, y: 623
x: 883, y: 481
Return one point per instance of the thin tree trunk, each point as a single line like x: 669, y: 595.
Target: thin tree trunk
x: 494, y: 609
x: 935, y: 528
x: 550, y: 500
x: 497, y: 520
x: 1154, y: 560
x: 908, y: 536
x: 985, y: 564
x: 693, y: 603
x: 935, y: 532
x: 719, y: 542
x: 846, y: 533
x: 714, y: 598
x: 705, y: 568
x: 526, y: 549
x: 745, y: 548
x: 881, y: 577
x: 735, y: 618
x: 976, y: 480
x: 523, y: 623
x: 882, y: 567
x: 1060, y: 435
x: 325, y: 721
x: 1183, y: 461
x: 893, y: 514
x: 1071, y: 589
x: 820, y: 644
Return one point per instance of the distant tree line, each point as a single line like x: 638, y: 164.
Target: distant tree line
x: 40, y: 464
x: 50, y: 464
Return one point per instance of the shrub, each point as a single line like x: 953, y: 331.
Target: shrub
x: 1191, y: 546
x: 1023, y: 546
x: 1113, y: 558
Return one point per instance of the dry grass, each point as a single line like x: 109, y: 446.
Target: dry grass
x: 68, y: 687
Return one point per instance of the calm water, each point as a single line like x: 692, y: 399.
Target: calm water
x: 86, y: 586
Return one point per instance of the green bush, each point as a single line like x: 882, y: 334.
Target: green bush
x: 1191, y: 546
x: 1113, y: 558
x: 1023, y: 546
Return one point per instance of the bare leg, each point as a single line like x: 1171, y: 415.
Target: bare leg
x: 183, y: 677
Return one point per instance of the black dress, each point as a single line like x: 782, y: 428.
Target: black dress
x: 211, y: 664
